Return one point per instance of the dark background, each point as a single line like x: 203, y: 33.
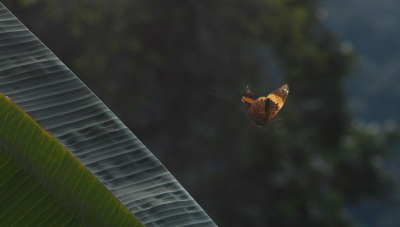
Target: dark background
x: 332, y: 158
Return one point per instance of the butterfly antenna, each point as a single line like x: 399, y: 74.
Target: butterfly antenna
x: 241, y: 107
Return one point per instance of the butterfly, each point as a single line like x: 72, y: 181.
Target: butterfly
x: 263, y: 109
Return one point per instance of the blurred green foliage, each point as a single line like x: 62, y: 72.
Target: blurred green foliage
x: 372, y: 28
x: 151, y: 61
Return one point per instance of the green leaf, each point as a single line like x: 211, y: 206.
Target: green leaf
x: 38, y: 82
x: 41, y: 177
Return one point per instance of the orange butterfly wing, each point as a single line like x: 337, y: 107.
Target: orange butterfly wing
x: 275, y: 101
x: 263, y: 109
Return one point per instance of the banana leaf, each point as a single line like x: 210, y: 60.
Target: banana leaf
x: 97, y: 155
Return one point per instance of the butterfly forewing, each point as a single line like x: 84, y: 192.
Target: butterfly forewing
x: 276, y: 100
x: 247, y: 98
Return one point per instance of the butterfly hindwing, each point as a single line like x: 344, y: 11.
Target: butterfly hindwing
x: 257, y: 111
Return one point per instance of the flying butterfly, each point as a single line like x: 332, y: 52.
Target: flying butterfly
x: 263, y: 109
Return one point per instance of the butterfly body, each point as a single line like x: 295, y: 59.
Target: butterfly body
x: 263, y: 109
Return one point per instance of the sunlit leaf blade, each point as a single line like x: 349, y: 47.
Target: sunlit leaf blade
x: 34, y: 78
x: 33, y: 207
x: 43, y: 183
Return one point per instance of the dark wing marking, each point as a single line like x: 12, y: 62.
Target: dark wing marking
x: 271, y: 109
x: 257, y: 112
x: 282, y: 92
